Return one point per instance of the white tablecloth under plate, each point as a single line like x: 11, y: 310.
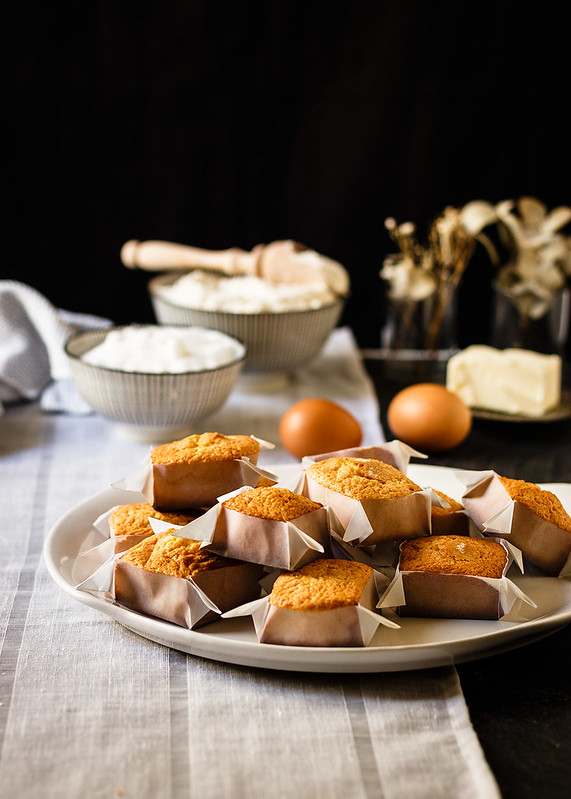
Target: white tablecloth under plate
x: 90, y: 710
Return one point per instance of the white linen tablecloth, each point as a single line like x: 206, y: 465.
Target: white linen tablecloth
x: 90, y: 710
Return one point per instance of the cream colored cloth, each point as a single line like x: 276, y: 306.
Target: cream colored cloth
x: 91, y: 710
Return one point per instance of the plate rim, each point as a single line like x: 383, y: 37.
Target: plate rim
x: 251, y: 653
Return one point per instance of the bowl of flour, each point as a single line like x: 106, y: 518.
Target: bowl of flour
x: 155, y: 382
x: 282, y: 325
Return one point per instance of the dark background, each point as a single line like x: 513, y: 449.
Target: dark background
x: 223, y: 124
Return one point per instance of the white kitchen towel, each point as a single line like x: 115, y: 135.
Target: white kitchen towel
x: 32, y: 359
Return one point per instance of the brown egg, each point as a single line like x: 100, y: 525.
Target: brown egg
x: 313, y: 426
x: 429, y: 417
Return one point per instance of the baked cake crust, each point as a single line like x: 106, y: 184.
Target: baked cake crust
x: 133, y: 519
x: 271, y: 502
x: 361, y: 478
x: 454, y: 554
x: 325, y: 584
x: 538, y: 500
x: 167, y: 553
x: 205, y: 447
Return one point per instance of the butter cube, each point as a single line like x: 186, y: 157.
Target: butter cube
x: 512, y: 381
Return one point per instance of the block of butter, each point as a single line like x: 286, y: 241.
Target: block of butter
x: 512, y: 381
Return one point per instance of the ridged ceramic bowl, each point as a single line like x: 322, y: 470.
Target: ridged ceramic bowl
x: 275, y: 342
x: 150, y: 406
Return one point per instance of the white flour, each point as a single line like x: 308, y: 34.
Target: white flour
x: 144, y: 348
x: 243, y: 294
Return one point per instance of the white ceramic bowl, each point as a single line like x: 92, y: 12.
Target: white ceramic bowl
x: 275, y: 342
x: 150, y: 406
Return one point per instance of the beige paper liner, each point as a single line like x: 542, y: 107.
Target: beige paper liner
x: 374, y: 521
x: 187, y: 603
x: 101, y: 547
x: 121, y: 543
x: 282, y: 545
x: 453, y: 596
x: 88, y: 561
x: 396, y: 453
x: 383, y: 558
x: 192, y: 485
x: 495, y: 513
x: 352, y: 626
x: 453, y: 523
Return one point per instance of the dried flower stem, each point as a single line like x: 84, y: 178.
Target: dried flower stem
x: 446, y: 288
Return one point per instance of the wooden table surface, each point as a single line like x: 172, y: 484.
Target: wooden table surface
x: 520, y: 701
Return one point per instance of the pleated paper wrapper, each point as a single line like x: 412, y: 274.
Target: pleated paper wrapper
x: 103, y: 545
x: 370, y: 522
x: 186, y: 602
x: 542, y: 543
x: 455, y: 596
x: 396, y: 453
x: 283, y: 545
x: 351, y: 626
x: 197, y: 484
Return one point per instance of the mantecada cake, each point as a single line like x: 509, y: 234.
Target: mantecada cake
x: 322, y: 585
x: 452, y: 576
x: 271, y: 502
x: 194, y: 471
x: 361, y: 478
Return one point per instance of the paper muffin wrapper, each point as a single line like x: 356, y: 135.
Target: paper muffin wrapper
x: 100, y: 545
x: 89, y: 560
x: 186, y: 602
x: 282, y: 545
x: 349, y: 626
x: 179, y: 486
x: 444, y: 595
x: 496, y: 514
x: 380, y: 557
x: 396, y: 453
x: 374, y: 521
x: 107, y: 545
x: 456, y: 522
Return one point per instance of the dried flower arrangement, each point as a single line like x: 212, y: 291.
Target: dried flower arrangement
x: 539, y: 263
x: 434, y: 270
x: 535, y: 270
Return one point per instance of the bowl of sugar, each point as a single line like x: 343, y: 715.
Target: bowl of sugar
x: 155, y: 381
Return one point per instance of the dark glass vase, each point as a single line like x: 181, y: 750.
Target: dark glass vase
x: 547, y: 334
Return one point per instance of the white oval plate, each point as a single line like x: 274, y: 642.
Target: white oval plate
x: 419, y: 644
